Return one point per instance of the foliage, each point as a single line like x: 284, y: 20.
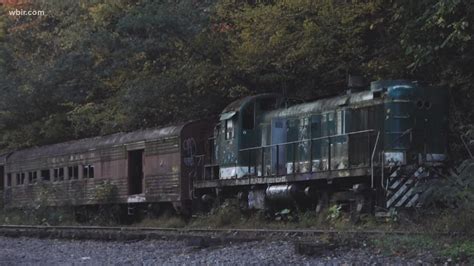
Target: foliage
x: 94, y: 67
x: 455, y: 249
x: 105, y: 192
x: 454, y: 190
x: 334, y: 212
x: 460, y: 251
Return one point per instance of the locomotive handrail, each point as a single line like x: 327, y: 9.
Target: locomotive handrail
x: 261, y: 169
x: 306, y: 140
x: 372, y: 160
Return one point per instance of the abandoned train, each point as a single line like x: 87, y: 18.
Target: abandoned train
x: 369, y: 148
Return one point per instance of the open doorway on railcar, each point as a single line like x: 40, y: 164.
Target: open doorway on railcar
x: 135, y: 172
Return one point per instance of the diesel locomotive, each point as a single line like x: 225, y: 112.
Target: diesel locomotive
x: 370, y: 148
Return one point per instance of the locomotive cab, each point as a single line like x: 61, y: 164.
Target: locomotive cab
x: 238, y: 129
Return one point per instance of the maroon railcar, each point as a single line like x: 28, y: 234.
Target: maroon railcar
x: 146, y: 166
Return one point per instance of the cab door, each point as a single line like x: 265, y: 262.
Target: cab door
x: 279, y: 136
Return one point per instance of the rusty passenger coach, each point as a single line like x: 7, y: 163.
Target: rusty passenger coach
x: 151, y: 165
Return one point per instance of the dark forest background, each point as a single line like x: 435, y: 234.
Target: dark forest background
x: 89, y: 68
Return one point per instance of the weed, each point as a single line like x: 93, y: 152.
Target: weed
x: 404, y: 245
x: 334, y: 212
x: 105, y: 192
x: 459, y: 251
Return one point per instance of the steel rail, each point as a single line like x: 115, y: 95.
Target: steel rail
x: 206, y: 230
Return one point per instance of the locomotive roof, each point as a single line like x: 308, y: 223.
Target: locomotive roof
x: 237, y: 104
x: 323, y: 105
x: 84, y: 145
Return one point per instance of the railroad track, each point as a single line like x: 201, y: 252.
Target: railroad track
x: 138, y: 233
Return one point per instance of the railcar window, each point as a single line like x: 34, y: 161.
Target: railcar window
x: 17, y: 179
x: 73, y: 172
x: 45, y: 175
x: 55, y: 174
x: 22, y: 178
x: 229, y: 129
x: 32, y: 177
x: 58, y: 174
x: 88, y: 171
x: 9, y: 180
x: 61, y: 174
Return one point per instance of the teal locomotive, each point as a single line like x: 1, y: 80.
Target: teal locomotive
x: 370, y: 148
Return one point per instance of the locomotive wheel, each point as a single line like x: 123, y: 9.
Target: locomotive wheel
x: 323, y: 202
x: 356, y: 207
x: 362, y: 203
x: 359, y: 203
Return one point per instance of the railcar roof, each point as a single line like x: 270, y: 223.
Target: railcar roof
x: 2, y: 158
x: 84, y: 145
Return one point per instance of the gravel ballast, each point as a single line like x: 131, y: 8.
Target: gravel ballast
x: 150, y: 252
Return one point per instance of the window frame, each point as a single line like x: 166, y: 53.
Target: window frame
x: 88, y: 171
x: 229, y: 129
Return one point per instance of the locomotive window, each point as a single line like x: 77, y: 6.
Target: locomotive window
x: 73, y: 172
x: 45, y: 175
x: 293, y: 129
x: 315, y: 127
x: 340, y: 123
x: 248, y: 117
x: 9, y: 180
x: 324, y: 125
x: 229, y: 129
x: 331, y: 124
